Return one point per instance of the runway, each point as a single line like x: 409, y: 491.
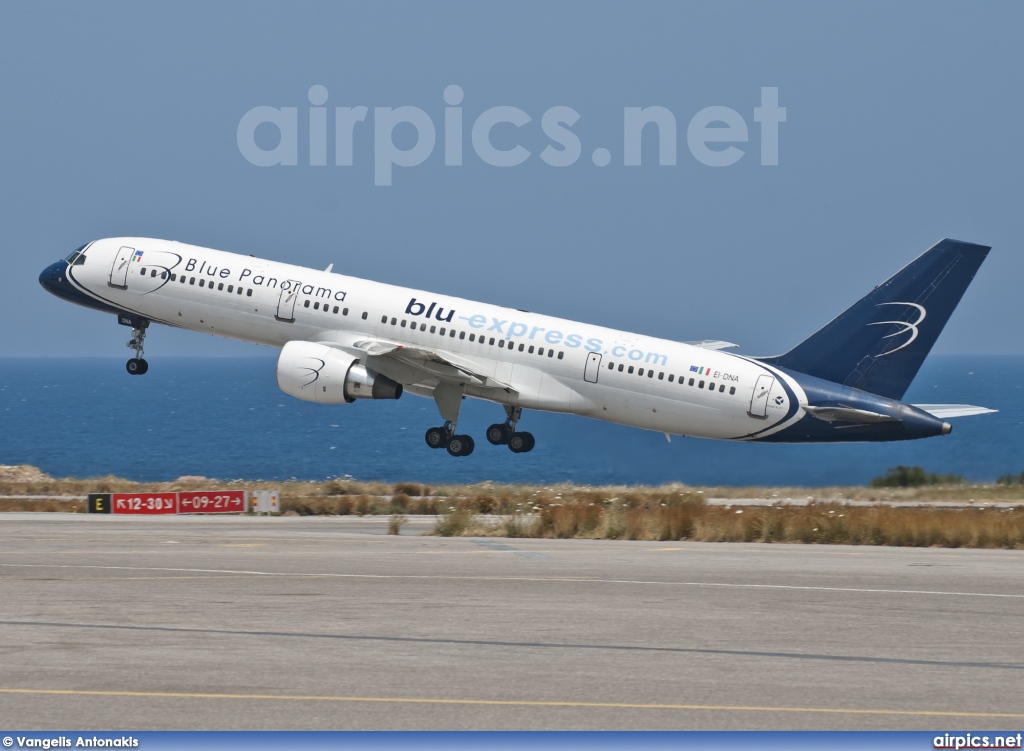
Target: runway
x: 328, y: 623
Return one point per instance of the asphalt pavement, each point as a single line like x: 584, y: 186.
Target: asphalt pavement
x: 328, y: 623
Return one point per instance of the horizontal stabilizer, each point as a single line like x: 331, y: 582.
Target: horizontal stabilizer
x: 848, y: 414
x: 954, y: 410
x: 712, y: 344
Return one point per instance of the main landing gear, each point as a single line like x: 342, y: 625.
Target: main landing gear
x: 445, y: 437
x: 449, y: 400
x: 137, y: 366
x: 505, y: 434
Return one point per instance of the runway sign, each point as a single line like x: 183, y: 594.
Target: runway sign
x: 266, y: 501
x: 99, y: 503
x: 144, y: 503
x: 213, y: 502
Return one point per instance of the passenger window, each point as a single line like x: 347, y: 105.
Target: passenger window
x: 671, y: 378
x: 335, y: 310
x: 561, y: 355
x: 433, y: 329
x: 630, y: 371
x: 402, y: 324
x: 451, y: 333
x: 384, y: 319
x: 364, y: 315
x: 248, y: 292
x: 462, y: 334
x: 394, y: 321
x: 650, y: 374
x: 661, y: 376
x: 620, y: 367
x: 501, y: 343
x: 344, y: 311
x: 721, y: 389
x: 423, y: 327
x: 239, y: 290
x: 231, y: 288
x: 711, y: 386
x: 700, y: 385
x: 202, y: 282
x: 472, y: 337
x: 531, y: 349
x: 691, y: 381
x: 174, y: 277
x: 611, y: 366
x: 491, y: 343
x: 316, y: 306
x: 152, y: 274
x: 441, y: 332
x: 732, y: 390
x: 522, y: 347
x: 220, y: 287
x: 540, y: 351
x: 191, y: 280
x: 551, y: 353
x: 305, y: 303
x: 640, y: 372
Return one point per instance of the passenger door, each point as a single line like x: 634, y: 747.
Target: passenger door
x: 593, y: 367
x: 286, y: 304
x: 759, y: 401
x: 119, y: 269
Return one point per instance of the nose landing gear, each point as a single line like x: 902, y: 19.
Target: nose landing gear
x: 137, y: 365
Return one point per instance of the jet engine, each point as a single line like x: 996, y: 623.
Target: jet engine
x: 317, y: 373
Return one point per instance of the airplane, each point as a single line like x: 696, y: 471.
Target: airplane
x: 343, y: 338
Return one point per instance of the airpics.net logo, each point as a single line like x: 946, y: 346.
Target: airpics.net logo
x: 716, y: 136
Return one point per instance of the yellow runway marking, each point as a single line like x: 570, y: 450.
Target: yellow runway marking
x: 507, y: 703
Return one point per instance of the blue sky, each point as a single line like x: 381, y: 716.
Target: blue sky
x: 901, y: 129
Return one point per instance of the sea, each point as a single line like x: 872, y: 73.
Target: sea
x: 225, y: 418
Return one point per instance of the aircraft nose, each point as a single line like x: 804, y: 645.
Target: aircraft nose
x: 52, y: 277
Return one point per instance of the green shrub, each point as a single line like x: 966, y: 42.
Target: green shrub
x: 913, y: 477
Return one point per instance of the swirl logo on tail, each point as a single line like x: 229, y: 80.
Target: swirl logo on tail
x: 908, y: 326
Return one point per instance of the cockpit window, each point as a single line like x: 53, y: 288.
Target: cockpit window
x: 77, y: 258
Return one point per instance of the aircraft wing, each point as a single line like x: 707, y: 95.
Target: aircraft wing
x: 713, y: 344
x: 954, y: 410
x: 419, y: 363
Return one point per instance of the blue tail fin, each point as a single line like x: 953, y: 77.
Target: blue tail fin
x: 879, y: 343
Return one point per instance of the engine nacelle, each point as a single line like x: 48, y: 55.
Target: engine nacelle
x: 317, y: 373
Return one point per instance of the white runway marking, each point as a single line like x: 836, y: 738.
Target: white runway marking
x: 541, y: 579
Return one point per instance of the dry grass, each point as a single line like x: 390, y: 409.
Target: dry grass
x: 823, y: 523
x: 669, y: 512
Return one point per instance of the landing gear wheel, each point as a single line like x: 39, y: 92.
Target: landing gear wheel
x: 520, y: 443
x: 460, y: 445
x: 436, y: 438
x: 497, y: 434
x: 136, y: 366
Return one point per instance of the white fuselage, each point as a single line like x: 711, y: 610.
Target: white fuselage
x: 510, y: 356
